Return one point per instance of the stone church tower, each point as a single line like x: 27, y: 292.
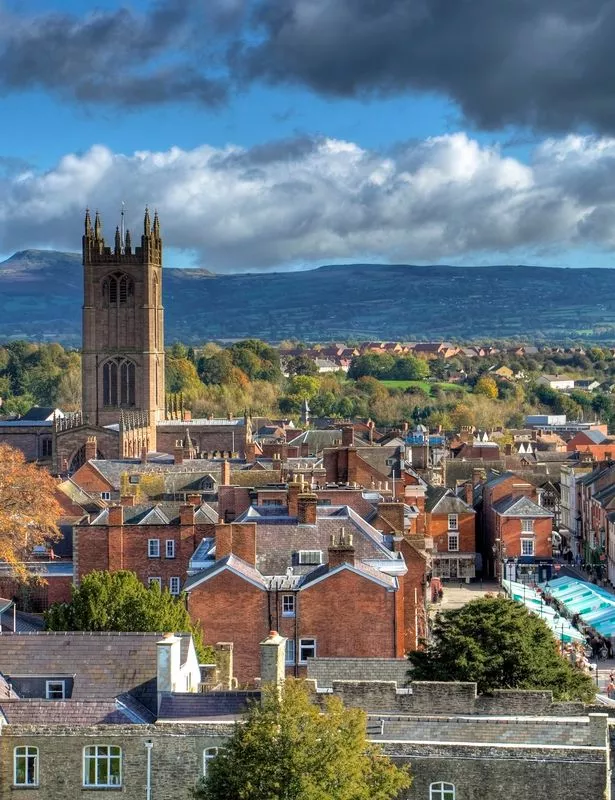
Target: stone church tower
x: 123, y: 342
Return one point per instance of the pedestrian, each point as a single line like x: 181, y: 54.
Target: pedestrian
x: 610, y: 690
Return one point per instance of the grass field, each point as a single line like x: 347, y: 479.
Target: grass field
x: 426, y: 386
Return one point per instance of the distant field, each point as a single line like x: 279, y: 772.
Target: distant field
x: 426, y: 386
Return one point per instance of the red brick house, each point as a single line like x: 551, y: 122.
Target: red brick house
x: 315, y: 578
x: 451, y: 524
x: 517, y: 530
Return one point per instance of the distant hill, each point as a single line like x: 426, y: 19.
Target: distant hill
x: 41, y: 296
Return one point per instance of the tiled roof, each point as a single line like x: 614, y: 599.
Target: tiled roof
x: 65, y: 712
x: 434, y: 495
x: 360, y: 568
x: 441, y: 500
x: 210, y: 706
x: 520, y: 507
x: 41, y: 413
x: 105, y: 665
x: 377, y: 458
x: 232, y: 563
x: 164, y: 513
x: 317, y: 440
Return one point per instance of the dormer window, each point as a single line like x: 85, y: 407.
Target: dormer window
x: 55, y: 690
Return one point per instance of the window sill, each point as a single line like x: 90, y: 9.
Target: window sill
x: 288, y: 614
x: 102, y: 788
x: 18, y: 787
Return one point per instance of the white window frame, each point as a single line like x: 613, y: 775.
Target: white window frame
x: 530, y: 546
x: 105, y: 495
x: 151, y: 581
x: 92, y: 753
x: 441, y: 790
x: 288, y: 605
x: 49, y: 689
x: 209, y: 753
x: 527, y: 526
x: 169, y: 548
x: 175, y: 583
x: 153, y: 548
x: 453, y: 537
x: 303, y: 643
x: 308, y: 557
x: 290, y: 652
x: 28, y: 753
x: 453, y: 522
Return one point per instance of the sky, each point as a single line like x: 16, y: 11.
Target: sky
x: 285, y: 134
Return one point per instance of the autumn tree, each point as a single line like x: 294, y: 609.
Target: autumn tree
x: 487, y: 387
x: 288, y: 749
x: 29, y: 510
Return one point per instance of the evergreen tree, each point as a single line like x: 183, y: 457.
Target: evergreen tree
x: 499, y: 644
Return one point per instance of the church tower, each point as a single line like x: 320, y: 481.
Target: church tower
x: 123, y: 341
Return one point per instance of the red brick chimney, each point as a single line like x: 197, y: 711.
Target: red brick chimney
x: 178, y: 453
x: 469, y: 493
x: 306, y: 508
x: 127, y: 500
x: 240, y: 540
x: 187, y: 415
x: 294, y: 490
x: 250, y: 452
x: 115, y: 515
x: 341, y: 549
x: 186, y: 514
x: 90, y: 448
x: 347, y: 435
x: 194, y: 499
x: 225, y: 473
x: 144, y: 455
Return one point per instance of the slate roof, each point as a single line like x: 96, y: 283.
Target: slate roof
x: 65, y: 712
x: 232, y: 562
x: 377, y: 458
x: 520, y: 507
x: 358, y: 567
x: 317, y: 440
x: 441, y: 500
x: 40, y: 413
x: 104, y: 665
x: 279, y: 538
x: 212, y: 706
x: 597, y: 437
x: 164, y: 513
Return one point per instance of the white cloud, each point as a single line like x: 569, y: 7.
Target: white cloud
x: 312, y: 201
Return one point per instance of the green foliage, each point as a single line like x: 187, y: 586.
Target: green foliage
x: 388, y: 367
x: 301, y: 365
x: 487, y: 387
x: 257, y: 359
x: 288, y: 750
x: 118, y: 601
x: 499, y: 644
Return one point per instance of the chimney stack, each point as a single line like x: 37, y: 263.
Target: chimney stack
x: 186, y: 514
x: 225, y: 473
x: 306, y: 508
x: 273, y: 660
x: 127, y: 500
x: 341, y: 549
x: 168, y: 665
x: 294, y: 490
x: 348, y: 435
x: 469, y: 493
x: 224, y: 665
x: 91, y: 449
x: 178, y: 453
x: 115, y: 515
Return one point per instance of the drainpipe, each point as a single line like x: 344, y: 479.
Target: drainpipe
x: 148, y: 785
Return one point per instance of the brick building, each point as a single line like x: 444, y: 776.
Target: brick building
x: 517, y: 532
x: 451, y: 524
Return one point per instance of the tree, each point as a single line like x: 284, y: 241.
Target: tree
x: 286, y: 749
x: 29, y: 509
x: 301, y: 365
x: 487, y: 387
x: 499, y: 644
x: 118, y: 601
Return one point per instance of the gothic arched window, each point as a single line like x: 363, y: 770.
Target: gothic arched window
x: 118, y: 379
x: 117, y: 289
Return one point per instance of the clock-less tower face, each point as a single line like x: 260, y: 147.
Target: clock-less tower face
x: 123, y: 339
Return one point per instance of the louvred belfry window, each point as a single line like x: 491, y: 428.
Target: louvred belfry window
x: 118, y: 382
x: 118, y: 289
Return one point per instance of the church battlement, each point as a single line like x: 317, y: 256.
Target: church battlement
x: 97, y: 253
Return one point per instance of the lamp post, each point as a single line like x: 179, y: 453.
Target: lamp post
x: 499, y: 551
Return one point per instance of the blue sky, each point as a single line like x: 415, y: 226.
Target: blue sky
x: 511, y: 180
